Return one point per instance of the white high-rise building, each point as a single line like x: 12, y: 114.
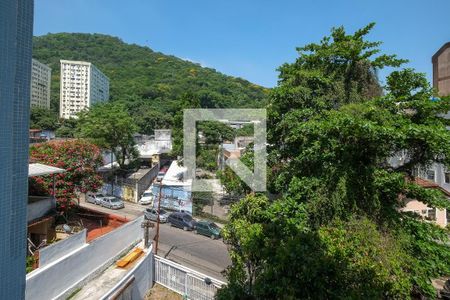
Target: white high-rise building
x: 82, y: 85
x: 41, y: 76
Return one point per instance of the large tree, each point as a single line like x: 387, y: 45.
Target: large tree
x: 80, y: 160
x: 336, y: 229
x: 43, y: 118
x: 186, y: 101
x: 111, y: 127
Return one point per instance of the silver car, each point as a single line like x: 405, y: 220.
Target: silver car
x: 160, y: 176
x: 152, y: 214
x: 95, y: 198
x: 112, y: 203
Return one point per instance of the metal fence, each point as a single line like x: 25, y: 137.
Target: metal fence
x: 185, y: 281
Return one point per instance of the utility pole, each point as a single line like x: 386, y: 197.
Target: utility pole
x: 112, y: 174
x: 157, y: 220
x: 146, y: 224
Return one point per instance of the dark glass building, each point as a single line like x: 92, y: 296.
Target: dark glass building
x: 16, y: 29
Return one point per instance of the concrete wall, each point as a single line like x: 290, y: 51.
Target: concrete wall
x: 421, y: 208
x: 39, y: 207
x: 61, y: 248
x: 143, y: 279
x: 118, y: 190
x: 129, y: 189
x: 146, y: 180
x: 61, y: 276
x: 440, y: 171
x: 441, y: 71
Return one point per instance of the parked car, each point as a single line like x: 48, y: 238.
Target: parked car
x: 152, y: 214
x: 112, y: 202
x: 160, y: 176
x: 181, y: 220
x: 94, y: 198
x: 147, y: 198
x: 208, y: 228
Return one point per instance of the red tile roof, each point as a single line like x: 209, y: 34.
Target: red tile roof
x: 430, y: 184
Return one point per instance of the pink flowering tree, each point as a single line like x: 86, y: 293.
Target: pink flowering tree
x: 79, y: 158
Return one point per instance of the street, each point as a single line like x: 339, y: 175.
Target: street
x: 197, y: 252
x: 131, y: 210
x: 194, y: 251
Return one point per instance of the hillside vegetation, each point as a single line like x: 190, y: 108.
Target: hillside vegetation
x: 140, y: 76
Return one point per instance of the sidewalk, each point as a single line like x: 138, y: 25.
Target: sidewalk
x: 131, y: 210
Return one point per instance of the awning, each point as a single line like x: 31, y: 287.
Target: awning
x: 40, y: 169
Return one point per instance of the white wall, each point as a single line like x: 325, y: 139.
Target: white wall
x: 39, y: 208
x: 61, y: 248
x: 59, y: 277
x: 143, y: 279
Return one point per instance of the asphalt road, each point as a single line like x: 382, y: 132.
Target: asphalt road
x: 194, y: 251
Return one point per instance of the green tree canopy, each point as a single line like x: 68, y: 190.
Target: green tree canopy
x: 216, y: 132
x: 42, y: 118
x: 111, y: 127
x: 67, y: 129
x: 336, y: 230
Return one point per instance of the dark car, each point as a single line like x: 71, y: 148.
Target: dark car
x: 208, y: 228
x: 181, y: 220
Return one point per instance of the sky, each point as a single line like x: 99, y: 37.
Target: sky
x: 252, y: 38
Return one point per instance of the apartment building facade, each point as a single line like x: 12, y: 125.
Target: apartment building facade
x: 16, y: 23
x: 441, y: 70
x: 41, y: 76
x: 82, y: 85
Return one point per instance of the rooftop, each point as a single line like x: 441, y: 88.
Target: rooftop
x: 175, y: 176
x: 430, y: 184
x: 229, y: 147
x: 37, y: 169
x: 152, y: 147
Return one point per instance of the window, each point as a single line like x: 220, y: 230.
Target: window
x: 447, y: 177
x: 432, y: 214
x: 431, y: 175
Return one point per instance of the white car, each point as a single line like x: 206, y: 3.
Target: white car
x: 160, y: 176
x: 147, y: 198
x: 95, y: 198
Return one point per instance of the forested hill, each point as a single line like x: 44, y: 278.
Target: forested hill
x: 139, y: 74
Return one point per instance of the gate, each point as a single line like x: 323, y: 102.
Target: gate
x: 185, y: 281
